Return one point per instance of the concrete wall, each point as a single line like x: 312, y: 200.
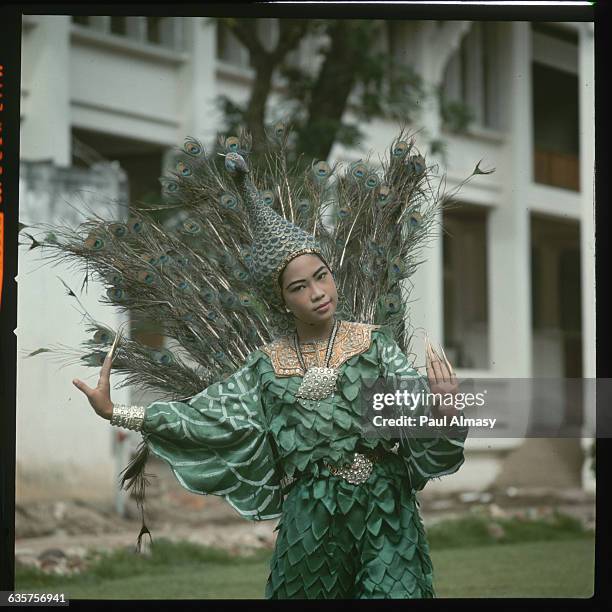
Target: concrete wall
x: 63, y: 447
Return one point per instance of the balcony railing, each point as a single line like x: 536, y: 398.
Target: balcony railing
x: 556, y: 169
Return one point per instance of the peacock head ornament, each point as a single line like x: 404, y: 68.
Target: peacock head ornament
x: 276, y: 241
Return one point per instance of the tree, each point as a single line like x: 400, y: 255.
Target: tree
x: 354, y: 71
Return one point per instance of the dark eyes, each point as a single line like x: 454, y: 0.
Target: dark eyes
x: 299, y: 287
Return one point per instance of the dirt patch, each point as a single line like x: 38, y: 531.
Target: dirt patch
x: 64, y: 537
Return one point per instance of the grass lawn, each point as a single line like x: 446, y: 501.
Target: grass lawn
x: 528, y: 569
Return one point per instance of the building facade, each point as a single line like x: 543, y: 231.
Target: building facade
x: 508, y: 288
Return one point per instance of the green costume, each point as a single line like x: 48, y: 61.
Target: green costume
x: 241, y: 438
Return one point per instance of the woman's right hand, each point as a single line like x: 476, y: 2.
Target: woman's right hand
x: 99, y: 398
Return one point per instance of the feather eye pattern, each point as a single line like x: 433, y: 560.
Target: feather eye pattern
x: 171, y: 187
x: 383, y: 196
x: 279, y: 129
x: 358, y: 171
x: 117, y: 294
x: 163, y: 357
x: 209, y: 296
x: 151, y: 259
x: 229, y: 300
x: 321, y: 170
x: 399, y: 149
x: 148, y: 277
x: 119, y: 230
x: 372, y: 180
x: 184, y: 169
x: 192, y: 227
x: 228, y: 201
x: 164, y: 258
x: 136, y: 225
x: 232, y: 144
x: 343, y: 212
x: 267, y: 197
x: 95, y: 359
x: 246, y: 300
x: 114, y: 278
x: 94, y: 242
x: 193, y: 147
x: 278, y: 135
x: 101, y: 335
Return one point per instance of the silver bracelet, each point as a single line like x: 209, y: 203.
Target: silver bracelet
x: 128, y: 417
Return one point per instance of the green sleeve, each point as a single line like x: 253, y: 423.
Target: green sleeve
x: 218, y: 443
x: 428, y: 457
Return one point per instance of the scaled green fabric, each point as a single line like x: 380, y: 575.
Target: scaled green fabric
x: 239, y: 437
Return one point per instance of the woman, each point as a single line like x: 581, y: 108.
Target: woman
x: 282, y: 437
x: 349, y: 520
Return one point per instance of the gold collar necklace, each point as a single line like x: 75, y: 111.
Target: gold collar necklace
x: 318, y: 382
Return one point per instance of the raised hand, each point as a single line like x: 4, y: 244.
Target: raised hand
x: 441, y: 377
x: 99, y: 398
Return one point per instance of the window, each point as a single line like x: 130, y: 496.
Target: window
x: 469, y: 88
x: 80, y: 19
x: 158, y: 31
x: 555, y: 293
x: 466, y: 324
x: 555, y: 103
x: 556, y: 305
x: 553, y: 31
x: 154, y: 33
x: 165, y: 31
x: 118, y: 25
x: 555, y: 127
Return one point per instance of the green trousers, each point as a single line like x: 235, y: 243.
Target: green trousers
x: 337, y: 540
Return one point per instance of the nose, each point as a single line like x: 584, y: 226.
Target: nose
x: 317, y: 294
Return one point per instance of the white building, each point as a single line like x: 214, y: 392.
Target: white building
x: 509, y: 291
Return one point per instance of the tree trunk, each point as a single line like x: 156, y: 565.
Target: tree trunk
x: 331, y: 92
x: 256, y: 109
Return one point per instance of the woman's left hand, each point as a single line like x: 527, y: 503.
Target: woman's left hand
x: 442, y: 379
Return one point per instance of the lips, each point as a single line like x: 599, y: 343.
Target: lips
x: 323, y: 305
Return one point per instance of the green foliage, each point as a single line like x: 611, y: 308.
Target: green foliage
x: 233, y: 114
x: 119, y: 563
x: 456, y: 116
x: 480, y: 531
x: 536, y: 569
x: 380, y: 85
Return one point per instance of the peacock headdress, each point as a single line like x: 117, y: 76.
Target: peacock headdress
x: 276, y: 241
x: 202, y: 266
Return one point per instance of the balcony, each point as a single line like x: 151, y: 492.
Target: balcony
x: 556, y: 169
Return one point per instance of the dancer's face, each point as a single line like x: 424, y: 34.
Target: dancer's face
x: 307, y: 286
